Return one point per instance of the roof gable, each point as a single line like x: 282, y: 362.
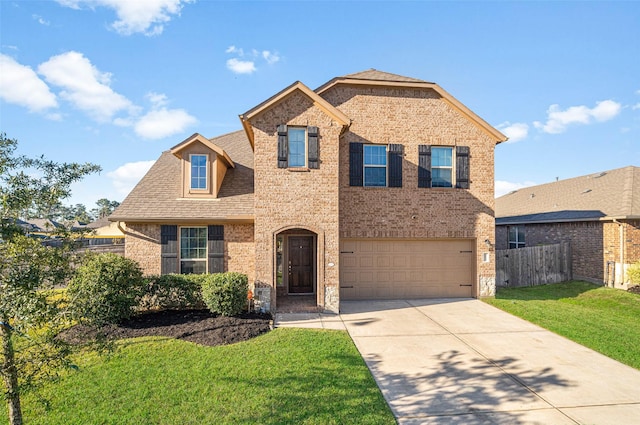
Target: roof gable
x: 609, y: 194
x: 199, y: 138
x: 325, y: 106
x: 374, y: 77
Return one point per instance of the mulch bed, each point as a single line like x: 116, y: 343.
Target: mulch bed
x: 634, y: 289
x: 199, y: 326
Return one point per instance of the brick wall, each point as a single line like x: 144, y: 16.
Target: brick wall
x: 413, y: 117
x: 142, y: 244
x: 287, y: 199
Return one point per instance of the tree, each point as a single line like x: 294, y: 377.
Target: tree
x: 104, y: 207
x: 30, y: 316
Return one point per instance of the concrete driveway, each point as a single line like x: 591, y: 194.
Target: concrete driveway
x: 465, y: 362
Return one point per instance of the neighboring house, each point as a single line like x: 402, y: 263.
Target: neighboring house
x: 104, y: 227
x: 373, y: 186
x: 598, y: 213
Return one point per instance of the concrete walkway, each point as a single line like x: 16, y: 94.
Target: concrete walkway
x: 465, y: 362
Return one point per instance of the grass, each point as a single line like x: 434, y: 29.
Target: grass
x: 603, y: 319
x: 288, y: 375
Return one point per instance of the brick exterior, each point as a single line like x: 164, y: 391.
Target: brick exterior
x: 142, y: 244
x: 413, y: 117
x: 286, y: 199
x: 593, y: 245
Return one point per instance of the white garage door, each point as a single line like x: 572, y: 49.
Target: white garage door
x: 395, y: 269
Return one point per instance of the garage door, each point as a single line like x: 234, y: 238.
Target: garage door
x: 393, y: 269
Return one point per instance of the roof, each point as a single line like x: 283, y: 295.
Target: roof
x: 606, y: 195
x: 156, y: 198
x: 101, y: 222
x: 378, y: 78
x: 199, y: 138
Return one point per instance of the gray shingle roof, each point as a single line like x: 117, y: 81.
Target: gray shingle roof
x: 610, y: 194
x: 374, y: 74
x: 157, y: 196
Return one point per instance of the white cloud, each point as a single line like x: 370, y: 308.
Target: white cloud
x: 515, y: 132
x: 84, y: 85
x: 503, y: 187
x: 238, y: 66
x: 20, y: 85
x: 558, y: 120
x: 147, y: 17
x: 160, y: 123
x: 234, y: 49
x: 270, y: 57
x: 636, y: 106
x: 40, y: 20
x: 125, y: 177
x: 157, y: 99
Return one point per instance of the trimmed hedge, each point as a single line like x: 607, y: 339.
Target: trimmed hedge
x: 633, y: 272
x: 225, y: 293
x: 173, y: 292
x: 105, y: 289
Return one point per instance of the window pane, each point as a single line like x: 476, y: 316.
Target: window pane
x: 193, y: 267
x: 375, y: 155
x: 198, y: 171
x: 297, y: 147
x: 193, y: 243
x: 441, y: 157
x: 441, y: 177
x: 375, y: 176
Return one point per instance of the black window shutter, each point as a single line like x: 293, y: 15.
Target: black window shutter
x: 169, y: 249
x: 314, y: 153
x: 424, y: 166
x: 395, y: 165
x: 462, y: 167
x: 215, y: 242
x: 355, y: 164
x: 283, y: 147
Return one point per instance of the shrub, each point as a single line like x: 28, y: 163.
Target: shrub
x: 225, y: 293
x: 105, y: 289
x: 633, y: 272
x: 173, y: 291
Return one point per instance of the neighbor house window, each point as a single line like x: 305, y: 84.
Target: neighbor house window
x: 441, y: 167
x: 374, y: 165
x: 297, y: 147
x: 199, y: 172
x: 516, y: 237
x: 193, y: 250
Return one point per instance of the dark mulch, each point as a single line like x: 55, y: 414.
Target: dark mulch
x: 634, y: 289
x: 199, y: 326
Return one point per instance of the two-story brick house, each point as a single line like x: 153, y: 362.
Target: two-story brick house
x: 373, y: 186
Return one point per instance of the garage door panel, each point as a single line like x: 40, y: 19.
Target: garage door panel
x: 388, y: 269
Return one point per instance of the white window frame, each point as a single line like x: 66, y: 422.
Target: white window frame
x: 385, y: 166
x: 306, y: 147
x: 440, y: 167
x: 206, y: 248
x: 516, y: 243
x: 206, y: 172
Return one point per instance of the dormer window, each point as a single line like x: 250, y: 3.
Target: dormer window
x: 199, y: 172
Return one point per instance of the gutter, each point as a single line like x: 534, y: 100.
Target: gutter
x: 622, y: 253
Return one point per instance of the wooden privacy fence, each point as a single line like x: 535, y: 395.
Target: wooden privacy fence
x: 534, y: 265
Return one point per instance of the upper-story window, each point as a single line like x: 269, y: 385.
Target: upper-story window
x: 297, y: 147
x: 375, y: 165
x: 441, y: 167
x: 199, y: 172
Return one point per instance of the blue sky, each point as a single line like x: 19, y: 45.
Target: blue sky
x: 117, y: 82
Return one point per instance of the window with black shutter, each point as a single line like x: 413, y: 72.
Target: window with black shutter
x: 215, y: 245
x: 355, y: 164
x: 395, y: 165
x: 462, y: 167
x: 314, y: 152
x: 424, y: 166
x: 298, y: 147
x: 169, y: 249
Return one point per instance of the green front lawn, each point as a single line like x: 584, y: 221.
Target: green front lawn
x: 604, y: 319
x: 296, y: 376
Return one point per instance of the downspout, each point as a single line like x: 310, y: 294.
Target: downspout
x: 621, y: 249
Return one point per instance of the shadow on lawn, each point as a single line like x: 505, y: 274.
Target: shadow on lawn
x: 468, y: 389
x: 553, y: 291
